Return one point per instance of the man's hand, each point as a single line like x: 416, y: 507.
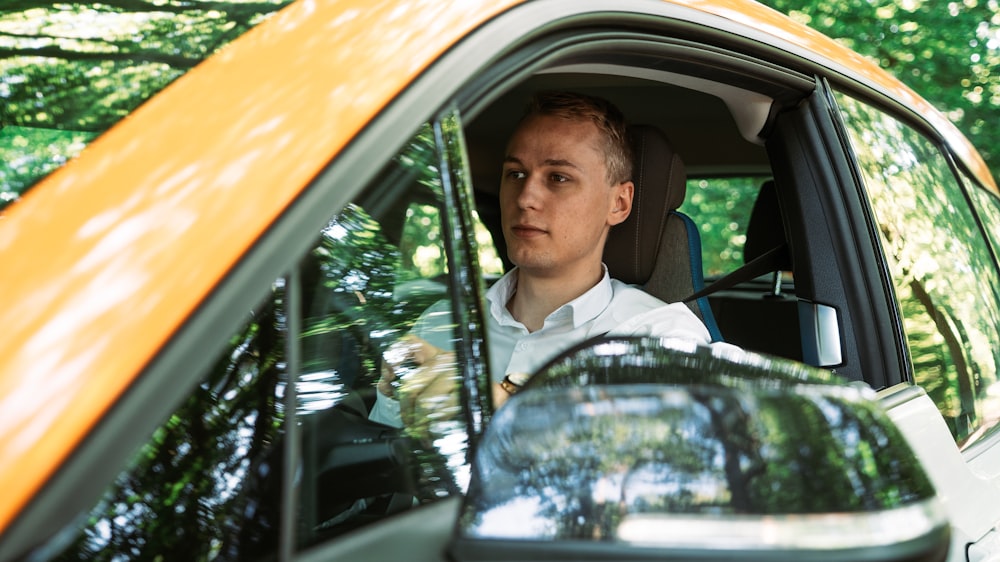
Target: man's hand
x: 499, y: 396
x: 418, y: 374
x: 401, y: 357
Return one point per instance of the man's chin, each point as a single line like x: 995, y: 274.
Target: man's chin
x: 532, y: 263
x: 539, y: 270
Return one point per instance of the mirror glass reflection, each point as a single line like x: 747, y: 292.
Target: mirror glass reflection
x: 630, y: 428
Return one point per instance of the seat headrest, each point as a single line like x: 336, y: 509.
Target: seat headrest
x: 660, y: 184
x: 766, y: 229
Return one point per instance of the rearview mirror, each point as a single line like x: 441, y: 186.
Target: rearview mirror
x: 633, y: 448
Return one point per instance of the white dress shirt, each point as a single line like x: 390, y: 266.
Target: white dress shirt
x: 610, y: 307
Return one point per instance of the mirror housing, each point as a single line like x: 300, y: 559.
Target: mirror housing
x: 641, y: 448
x: 820, y: 334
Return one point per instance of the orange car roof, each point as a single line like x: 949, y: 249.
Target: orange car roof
x: 129, y: 238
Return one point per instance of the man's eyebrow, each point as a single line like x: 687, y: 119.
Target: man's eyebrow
x: 550, y: 162
x: 558, y: 162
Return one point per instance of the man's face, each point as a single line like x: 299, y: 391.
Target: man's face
x: 556, y: 202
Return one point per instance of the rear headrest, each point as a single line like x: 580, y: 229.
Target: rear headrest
x: 659, y: 177
x: 766, y: 229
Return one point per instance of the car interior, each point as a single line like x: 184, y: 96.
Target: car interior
x: 687, y: 133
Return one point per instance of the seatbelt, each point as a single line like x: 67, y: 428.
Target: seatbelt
x: 767, y: 262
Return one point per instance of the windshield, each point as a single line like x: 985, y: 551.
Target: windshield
x: 71, y: 70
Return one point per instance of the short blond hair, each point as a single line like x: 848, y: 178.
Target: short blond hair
x: 609, y: 120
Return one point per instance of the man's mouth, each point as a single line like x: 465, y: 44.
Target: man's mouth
x: 526, y: 230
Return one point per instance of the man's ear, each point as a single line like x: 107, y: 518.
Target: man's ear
x: 621, y: 202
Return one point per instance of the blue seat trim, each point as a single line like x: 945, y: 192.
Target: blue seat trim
x: 698, y: 276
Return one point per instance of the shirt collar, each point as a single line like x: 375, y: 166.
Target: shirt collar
x: 499, y: 294
x: 581, y: 310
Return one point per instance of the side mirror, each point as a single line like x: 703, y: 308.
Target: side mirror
x: 630, y: 449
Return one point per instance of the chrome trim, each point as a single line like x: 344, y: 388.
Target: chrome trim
x: 833, y: 531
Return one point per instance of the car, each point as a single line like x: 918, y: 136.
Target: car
x: 198, y: 305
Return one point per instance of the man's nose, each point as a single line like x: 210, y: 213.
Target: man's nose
x: 531, y: 192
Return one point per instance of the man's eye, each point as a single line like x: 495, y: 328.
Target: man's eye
x: 514, y: 174
x: 559, y: 178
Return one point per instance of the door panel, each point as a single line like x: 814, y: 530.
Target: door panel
x: 973, y: 503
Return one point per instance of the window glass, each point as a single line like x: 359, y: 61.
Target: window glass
x: 721, y: 209
x: 73, y: 69
x: 988, y: 206
x: 378, y: 416
x: 193, y: 490
x: 942, y: 269
x: 380, y: 378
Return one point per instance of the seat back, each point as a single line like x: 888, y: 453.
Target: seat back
x: 766, y: 322
x: 766, y: 229
x: 657, y: 247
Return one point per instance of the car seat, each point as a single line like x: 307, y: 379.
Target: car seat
x: 657, y: 247
x: 740, y: 311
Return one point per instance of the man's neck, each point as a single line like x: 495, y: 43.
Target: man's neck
x: 537, y: 297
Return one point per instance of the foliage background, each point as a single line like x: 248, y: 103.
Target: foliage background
x: 948, y: 51
x: 68, y: 70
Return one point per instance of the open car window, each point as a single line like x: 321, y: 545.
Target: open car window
x: 721, y: 208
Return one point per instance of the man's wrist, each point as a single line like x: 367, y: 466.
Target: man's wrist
x: 509, y: 386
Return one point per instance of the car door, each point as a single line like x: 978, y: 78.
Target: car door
x: 273, y: 447
x: 934, y: 229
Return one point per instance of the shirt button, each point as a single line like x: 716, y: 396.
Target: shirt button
x: 521, y: 347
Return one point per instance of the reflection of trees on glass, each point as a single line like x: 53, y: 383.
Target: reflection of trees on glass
x: 632, y: 429
x: 360, y: 296
x: 349, y: 279
x: 429, y: 232
x: 194, y: 491
x: 379, y: 265
x: 74, y: 69
x: 942, y: 269
x: 988, y: 206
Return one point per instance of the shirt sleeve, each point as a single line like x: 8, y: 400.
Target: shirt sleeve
x: 386, y: 411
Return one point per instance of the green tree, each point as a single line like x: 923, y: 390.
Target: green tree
x: 949, y: 52
x: 70, y: 70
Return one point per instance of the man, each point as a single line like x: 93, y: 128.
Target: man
x: 566, y: 180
